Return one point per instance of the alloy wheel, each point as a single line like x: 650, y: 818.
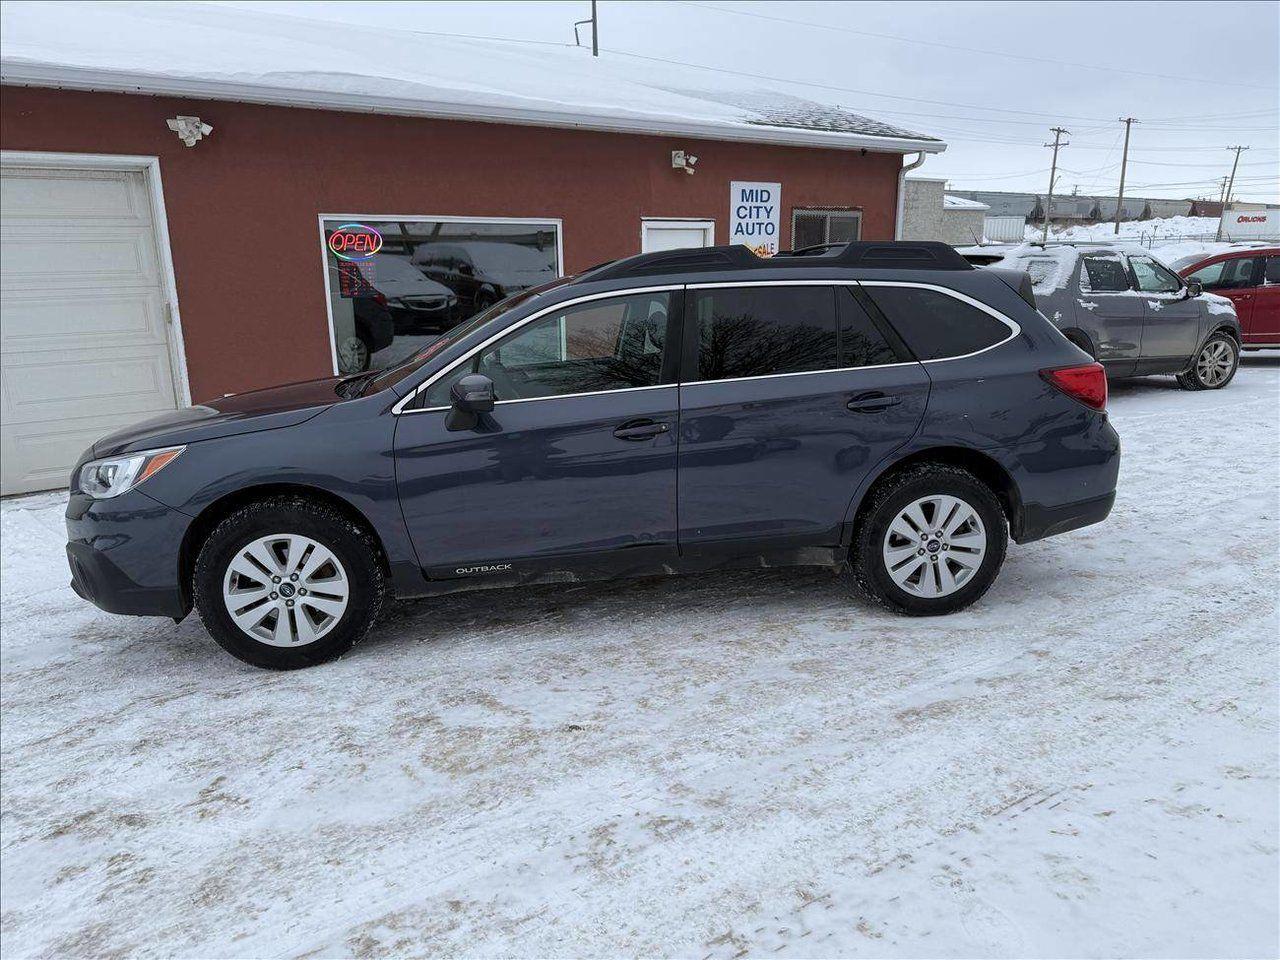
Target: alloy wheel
x: 1214, y: 364
x: 934, y: 546
x: 285, y: 590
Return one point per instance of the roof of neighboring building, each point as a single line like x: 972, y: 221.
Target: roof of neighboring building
x: 224, y: 53
x: 960, y: 203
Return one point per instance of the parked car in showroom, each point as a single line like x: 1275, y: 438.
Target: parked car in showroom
x: 482, y: 272
x: 1127, y: 310
x: 1250, y: 279
x: 416, y: 302
x: 880, y: 409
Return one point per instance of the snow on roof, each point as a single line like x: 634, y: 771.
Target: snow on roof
x: 960, y: 203
x: 224, y: 53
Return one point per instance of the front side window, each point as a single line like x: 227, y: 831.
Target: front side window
x: 1154, y: 277
x: 762, y: 331
x: 1235, y: 274
x: 1273, y: 270
x: 394, y: 286
x: 612, y: 344
x: 936, y: 325
x: 1104, y: 275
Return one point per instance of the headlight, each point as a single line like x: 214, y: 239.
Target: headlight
x: 103, y: 479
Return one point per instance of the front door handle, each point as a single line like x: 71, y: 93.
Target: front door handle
x: 640, y: 430
x: 871, y: 402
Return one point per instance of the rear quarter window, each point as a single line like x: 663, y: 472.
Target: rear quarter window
x: 936, y: 325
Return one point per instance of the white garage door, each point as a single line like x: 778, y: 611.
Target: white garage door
x: 83, y: 322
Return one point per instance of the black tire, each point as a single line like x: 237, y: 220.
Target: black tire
x: 870, y: 572
x: 1193, y: 377
x: 354, y: 547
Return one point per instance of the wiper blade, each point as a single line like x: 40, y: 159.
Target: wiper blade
x: 352, y: 386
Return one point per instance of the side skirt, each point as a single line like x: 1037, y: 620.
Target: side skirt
x: 629, y: 563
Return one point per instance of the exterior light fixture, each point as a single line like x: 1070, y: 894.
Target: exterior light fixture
x: 683, y: 161
x: 190, y: 129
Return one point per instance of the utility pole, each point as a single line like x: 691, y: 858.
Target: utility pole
x: 595, y: 31
x: 1222, y: 190
x: 1124, y: 164
x: 1231, y: 182
x: 1053, y: 173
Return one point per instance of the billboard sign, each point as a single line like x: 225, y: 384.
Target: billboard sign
x: 755, y: 216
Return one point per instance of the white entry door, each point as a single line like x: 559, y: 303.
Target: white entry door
x: 676, y: 234
x: 84, y: 331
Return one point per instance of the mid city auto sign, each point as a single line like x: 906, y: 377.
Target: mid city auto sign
x: 754, y: 216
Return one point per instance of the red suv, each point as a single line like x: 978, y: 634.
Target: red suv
x: 1251, y: 279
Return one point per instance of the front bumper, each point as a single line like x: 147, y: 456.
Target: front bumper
x: 124, y: 554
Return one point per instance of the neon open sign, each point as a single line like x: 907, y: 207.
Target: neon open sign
x: 354, y: 241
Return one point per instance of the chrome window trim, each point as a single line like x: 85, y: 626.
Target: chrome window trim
x: 1014, y: 330
x: 400, y: 405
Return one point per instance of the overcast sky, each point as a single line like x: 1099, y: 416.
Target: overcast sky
x: 990, y: 78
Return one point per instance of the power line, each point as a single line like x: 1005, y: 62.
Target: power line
x: 950, y: 46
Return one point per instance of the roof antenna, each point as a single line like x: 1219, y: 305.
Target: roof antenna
x: 595, y: 34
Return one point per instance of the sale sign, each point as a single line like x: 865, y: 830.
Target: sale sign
x: 755, y: 215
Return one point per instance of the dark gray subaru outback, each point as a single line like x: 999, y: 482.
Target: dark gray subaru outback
x: 881, y: 408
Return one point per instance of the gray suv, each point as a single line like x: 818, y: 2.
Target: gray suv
x: 1129, y: 311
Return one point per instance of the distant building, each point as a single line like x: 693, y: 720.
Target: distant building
x: 930, y: 213
x: 1069, y: 209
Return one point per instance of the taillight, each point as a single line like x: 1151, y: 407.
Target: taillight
x: 1087, y: 383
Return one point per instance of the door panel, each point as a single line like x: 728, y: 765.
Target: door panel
x: 1110, y: 309
x: 84, y: 333
x: 1172, y: 321
x: 1265, y: 326
x: 779, y: 458
x: 540, y: 480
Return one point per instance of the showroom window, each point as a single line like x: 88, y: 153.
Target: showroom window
x: 810, y: 228
x: 396, y: 285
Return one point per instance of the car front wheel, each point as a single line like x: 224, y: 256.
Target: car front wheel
x: 287, y: 582
x: 931, y: 541
x: 1215, y: 365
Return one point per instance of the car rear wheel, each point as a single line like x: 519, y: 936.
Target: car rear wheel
x: 931, y: 541
x: 1215, y: 365
x: 288, y: 582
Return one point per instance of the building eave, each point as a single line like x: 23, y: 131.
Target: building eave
x: 107, y: 81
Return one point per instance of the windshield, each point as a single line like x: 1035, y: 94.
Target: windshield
x: 414, y: 362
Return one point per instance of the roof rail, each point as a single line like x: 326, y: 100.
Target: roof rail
x: 887, y: 254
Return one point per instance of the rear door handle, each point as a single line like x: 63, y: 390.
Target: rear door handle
x: 871, y: 402
x: 640, y: 430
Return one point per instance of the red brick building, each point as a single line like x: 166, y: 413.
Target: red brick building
x: 142, y: 273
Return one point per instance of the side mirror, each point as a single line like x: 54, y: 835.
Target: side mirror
x: 1194, y: 288
x: 471, y: 396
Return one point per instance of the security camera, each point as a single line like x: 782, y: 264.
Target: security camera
x: 189, y: 129
x: 683, y: 161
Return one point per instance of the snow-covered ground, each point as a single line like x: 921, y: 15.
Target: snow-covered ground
x: 1085, y: 764
x: 1175, y: 240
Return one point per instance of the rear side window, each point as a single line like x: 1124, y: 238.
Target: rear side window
x: 1273, y: 270
x: 1104, y: 275
x: 760, y: 331
x: 936, y: 325
x: 861, y: 342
